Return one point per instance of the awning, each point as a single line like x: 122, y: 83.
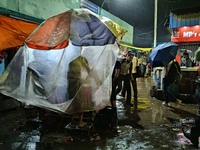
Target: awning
x: 13, y: 32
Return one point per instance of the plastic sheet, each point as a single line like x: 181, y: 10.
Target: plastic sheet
x: 70, y: 80
x: 66, y: 63
x: 81, y: 26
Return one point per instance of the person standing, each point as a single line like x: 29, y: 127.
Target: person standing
x: 76, y: 67
x: 115, y: 82
x: 144, y: 65
x: 126, y: 76
x: 188, y: 61
x: 120, y: 82
x: 134, y: 80
x: 78, y: 90
x: 172, y: 78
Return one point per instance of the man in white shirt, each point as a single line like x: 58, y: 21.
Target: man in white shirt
x: 133, y: 79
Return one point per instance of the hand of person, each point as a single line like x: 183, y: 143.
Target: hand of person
x: 132, y: 78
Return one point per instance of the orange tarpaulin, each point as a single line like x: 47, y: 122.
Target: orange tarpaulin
x: 13, y: 32
x: 51, y: 34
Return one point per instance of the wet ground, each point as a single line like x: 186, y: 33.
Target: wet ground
x: 147, y: 126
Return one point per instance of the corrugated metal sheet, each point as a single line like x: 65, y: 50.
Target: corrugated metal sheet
x: 184, y: 17
x: 184, y: 20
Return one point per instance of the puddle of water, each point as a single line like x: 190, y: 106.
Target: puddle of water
x: 25, y: 146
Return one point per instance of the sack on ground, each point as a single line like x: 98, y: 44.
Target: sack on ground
x: 106, y: 118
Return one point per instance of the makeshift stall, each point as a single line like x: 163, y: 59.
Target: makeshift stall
x: 61, y: 67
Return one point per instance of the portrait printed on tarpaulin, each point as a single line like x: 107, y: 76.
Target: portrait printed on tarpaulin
x: 175, y: 33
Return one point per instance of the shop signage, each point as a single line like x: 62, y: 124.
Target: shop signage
x: 89, y: 5
x: 186, y: 34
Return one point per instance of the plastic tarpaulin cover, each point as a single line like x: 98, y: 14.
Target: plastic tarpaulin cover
x: 13, y: 32
x: 81, y: 26
x: 66, y: 63
x: 70, y: 80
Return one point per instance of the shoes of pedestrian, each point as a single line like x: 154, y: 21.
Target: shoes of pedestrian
x: 193, y: 138
x: 165, y: 104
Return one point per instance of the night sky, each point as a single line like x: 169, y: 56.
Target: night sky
x: 140, y: 14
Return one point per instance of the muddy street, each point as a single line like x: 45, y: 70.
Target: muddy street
x: 148, y: 125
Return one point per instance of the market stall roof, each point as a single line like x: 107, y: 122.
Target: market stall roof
x: 80, y: 26
x: 15, y: 27
x: 184, y: 17
x: 13, y: 32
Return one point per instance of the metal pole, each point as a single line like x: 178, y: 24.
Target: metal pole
x: 155, y: 22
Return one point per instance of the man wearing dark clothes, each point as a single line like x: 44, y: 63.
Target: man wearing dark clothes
x: 115, y: 81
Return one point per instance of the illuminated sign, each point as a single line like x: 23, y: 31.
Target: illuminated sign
x: 186, y: 34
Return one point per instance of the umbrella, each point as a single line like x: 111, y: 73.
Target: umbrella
x: 163, y: 54
x: 80, y: 26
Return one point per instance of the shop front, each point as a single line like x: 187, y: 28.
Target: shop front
x: 185, y: 29
x: 188, y: 40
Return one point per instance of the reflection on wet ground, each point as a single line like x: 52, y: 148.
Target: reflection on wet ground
x: 148, y: 125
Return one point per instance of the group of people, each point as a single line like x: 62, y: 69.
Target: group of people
x: 124, y: 74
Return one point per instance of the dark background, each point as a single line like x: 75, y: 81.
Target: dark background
x: 140, y: 14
